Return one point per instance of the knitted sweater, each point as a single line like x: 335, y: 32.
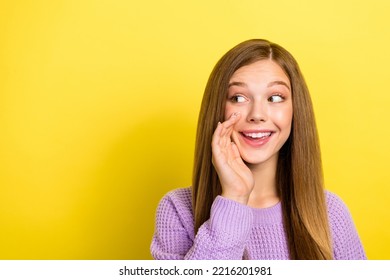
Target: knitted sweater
x: 236, y: 231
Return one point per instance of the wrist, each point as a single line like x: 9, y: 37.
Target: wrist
x: 240, y: 198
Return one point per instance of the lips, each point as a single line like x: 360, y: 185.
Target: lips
x: 257, y: 135
x: 256, y: 138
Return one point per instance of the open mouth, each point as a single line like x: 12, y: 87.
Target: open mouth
x: 256, y: 135
x: 256, y: 139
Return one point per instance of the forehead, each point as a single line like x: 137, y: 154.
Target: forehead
x: 260, y: 70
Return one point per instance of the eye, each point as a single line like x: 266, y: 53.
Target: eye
x: 276, y: 98
x: 238, y: 99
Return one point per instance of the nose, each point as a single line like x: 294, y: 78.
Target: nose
x: 257, y: 113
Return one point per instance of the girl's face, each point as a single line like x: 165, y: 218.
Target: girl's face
x: 261, y: 93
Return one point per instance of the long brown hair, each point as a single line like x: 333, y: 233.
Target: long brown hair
x: 299, y: 171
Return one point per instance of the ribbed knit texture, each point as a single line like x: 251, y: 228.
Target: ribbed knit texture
x: 236, y: 231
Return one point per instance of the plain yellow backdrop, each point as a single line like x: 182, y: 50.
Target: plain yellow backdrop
x: 99, y: 103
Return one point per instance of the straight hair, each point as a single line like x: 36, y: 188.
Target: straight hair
x: 299, y: 176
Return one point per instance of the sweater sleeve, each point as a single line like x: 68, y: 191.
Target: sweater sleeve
x: 346, y: 241
x: 223, y: 236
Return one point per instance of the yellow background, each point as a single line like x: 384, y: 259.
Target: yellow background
x: 99, y: 103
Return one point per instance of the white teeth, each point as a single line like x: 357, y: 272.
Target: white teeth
x: 258, y: 135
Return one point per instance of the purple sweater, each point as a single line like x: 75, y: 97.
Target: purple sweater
x: 236, y: 231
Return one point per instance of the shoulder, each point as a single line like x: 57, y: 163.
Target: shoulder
x: 175, y: 208
x: 346, y: 241
x: 334, y: 203
x: 180, y: 198
x: 338, y: 213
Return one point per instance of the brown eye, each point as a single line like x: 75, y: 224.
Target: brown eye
x: 238, y: 99
x: 275, y: 99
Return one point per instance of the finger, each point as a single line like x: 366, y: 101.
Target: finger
x: 225, y: 137
x: 235, y: 151
x: 230, y: 152
x: 227, y: 126
x: 217, y: 135
x: 231, y: 120
x: 223, y: 132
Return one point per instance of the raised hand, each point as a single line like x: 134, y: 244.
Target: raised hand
x: 236, y: 178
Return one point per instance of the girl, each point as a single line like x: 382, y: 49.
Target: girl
x: 257, y: 189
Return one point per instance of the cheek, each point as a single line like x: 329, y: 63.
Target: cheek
x: 283, y: 118
x: 230, y: 109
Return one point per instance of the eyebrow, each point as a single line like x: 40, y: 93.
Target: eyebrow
x: 241, y: 84
x: 279, y: 83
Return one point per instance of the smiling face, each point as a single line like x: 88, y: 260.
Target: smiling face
x: 261, y: 92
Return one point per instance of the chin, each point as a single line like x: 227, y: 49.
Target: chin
x: 257, y: 160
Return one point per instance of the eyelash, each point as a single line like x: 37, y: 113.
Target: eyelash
x: 236, y: 96
x: 278, y: 95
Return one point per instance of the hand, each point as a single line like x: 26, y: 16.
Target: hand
x: 236, y: 178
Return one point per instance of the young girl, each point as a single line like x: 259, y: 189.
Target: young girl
x: 257, y: 189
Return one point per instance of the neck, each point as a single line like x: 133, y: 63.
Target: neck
x: 264, y: 193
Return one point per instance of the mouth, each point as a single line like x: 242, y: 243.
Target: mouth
x: 256, y: 135
x: 256, y: 138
